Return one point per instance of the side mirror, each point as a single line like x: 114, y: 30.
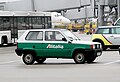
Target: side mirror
x: 64, y: 39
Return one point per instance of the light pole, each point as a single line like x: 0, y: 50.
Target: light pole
x: 118, y: 4
x: 86, y: 16
x: 101, y: 13
x: 33, y: 5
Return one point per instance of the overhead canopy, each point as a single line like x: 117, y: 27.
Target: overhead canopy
x: 54, y: 5
x: 1, y: 1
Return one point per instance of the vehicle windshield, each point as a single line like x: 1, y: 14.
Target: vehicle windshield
x: 70, y: 35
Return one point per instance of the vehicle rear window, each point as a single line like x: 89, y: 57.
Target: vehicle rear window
x: 35, y: 35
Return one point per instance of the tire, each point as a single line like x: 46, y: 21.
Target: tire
x: 40, y: 60
x: 2, y: 41
x: 87, y: 33
x: 90, y: 33
x: 90, y: 59
x: 79, y: 58
x: 28, y: 59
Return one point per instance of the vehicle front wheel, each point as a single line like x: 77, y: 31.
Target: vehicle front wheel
x: 2, y: 41
x: 28, y: 59
x: 40, y: 60
x: 90, y: 59
x: 79, y: 58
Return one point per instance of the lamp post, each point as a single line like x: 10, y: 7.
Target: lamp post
x: 101, y: 13
x: 118, y: 3
x: 33, y: 5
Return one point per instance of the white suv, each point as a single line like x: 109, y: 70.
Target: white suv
x: 108, y: 36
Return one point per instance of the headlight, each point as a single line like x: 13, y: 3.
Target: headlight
x: 96, y: 46
x: 100, y: 46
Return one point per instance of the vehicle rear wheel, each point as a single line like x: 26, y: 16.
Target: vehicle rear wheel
x: 40, y: 60
x: 28, y: 59
x: 79, y: 58
x: 87, y: 33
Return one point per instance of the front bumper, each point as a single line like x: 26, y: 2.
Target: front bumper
x: 96, y: 52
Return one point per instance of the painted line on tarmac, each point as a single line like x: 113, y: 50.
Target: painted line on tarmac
x: 9, y: 62
x: 112, y: 62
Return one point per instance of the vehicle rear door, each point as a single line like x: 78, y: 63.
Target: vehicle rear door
x: 35, y: 42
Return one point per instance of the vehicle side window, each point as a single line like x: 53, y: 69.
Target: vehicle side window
x: 59, y: 36
x: 115, y: 30
x: 118, y: 30
x: 35, y: 35
x: 53, y: 36
x: 103, y: 31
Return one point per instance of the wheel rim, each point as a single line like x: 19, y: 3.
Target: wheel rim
x: 28, y: 58
x: 80, y: 57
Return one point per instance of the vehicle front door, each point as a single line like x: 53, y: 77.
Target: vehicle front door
x: 115, y: 37
x: 106, y: 33
x: 54, y: 46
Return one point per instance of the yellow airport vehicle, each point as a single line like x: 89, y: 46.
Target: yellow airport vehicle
x: 108, y: 36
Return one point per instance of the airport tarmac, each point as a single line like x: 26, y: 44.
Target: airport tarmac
x: 104, y: 69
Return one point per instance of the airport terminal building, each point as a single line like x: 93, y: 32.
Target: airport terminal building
x: 72, y: 9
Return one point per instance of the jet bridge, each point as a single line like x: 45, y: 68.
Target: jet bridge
x: 100, y: 5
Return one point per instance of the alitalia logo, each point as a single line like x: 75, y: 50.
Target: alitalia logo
x: 55, y: 46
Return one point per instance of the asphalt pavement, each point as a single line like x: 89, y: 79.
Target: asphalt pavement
x: 104, y: 69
